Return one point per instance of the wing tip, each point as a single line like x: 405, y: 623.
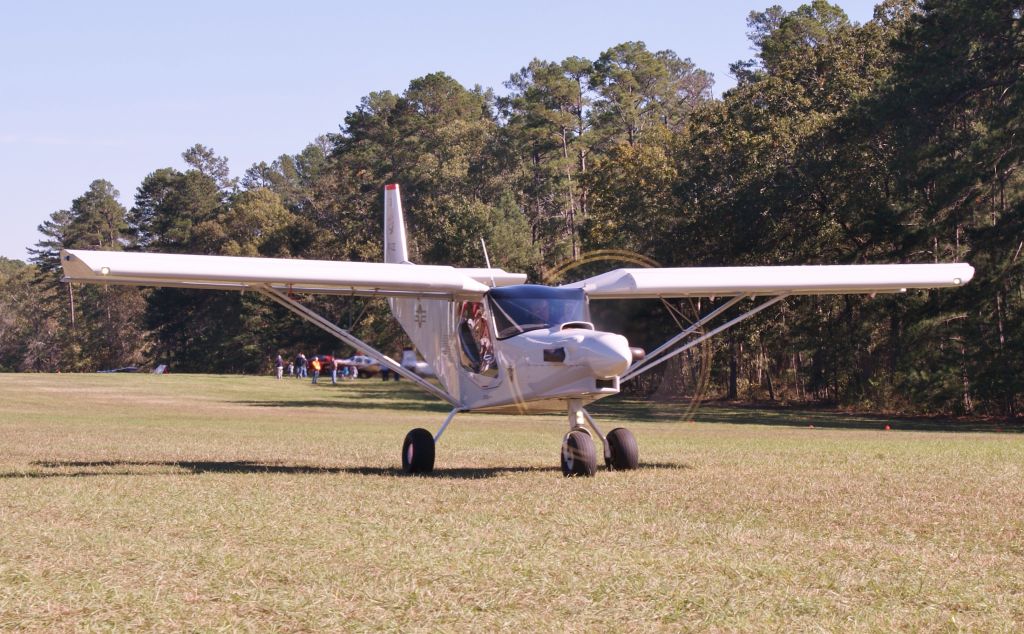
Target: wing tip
x: 969, y: 275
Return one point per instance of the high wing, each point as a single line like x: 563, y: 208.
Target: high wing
x: 772, y: 280
x: 292, y: 276
x: 771, y: 283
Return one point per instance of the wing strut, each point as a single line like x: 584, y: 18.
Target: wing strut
x: 324, y: 324
x: 659, y: 356
x: 688, y: 331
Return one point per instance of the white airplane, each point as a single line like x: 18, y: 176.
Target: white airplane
x: 412, y: 363
x: 497, y: 344
x: 366, y: 366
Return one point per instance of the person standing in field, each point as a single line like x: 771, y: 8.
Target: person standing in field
x: 315, y: 364
x: 300, y: 366
x: 279, y: 364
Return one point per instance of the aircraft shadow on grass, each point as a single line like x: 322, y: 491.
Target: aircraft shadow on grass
x: 127, y: 467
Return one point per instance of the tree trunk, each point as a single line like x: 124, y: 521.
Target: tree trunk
x: 796, y: 377
x: 733, y: 368
x: 968, y: 405
x: 768, y: 374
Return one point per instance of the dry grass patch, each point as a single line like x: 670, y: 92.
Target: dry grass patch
x: 204, y: 503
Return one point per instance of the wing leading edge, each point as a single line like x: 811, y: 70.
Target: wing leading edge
x: 772, y: 280
x: 301, y: 276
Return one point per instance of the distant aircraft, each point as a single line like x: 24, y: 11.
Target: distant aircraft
x: 497, y: 344
x: 412, y: 363
x: 367, y: 366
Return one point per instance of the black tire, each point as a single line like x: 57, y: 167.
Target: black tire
x: 418, y: 452
x: 625, y: 455
x: 578, y: 456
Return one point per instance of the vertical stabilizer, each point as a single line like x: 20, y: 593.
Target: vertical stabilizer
x: 396, y: 248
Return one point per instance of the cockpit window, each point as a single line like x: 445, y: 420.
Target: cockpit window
x: 519, y: 309
x: 475, y: 346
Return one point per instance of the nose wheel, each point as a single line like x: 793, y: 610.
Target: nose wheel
x: 578, y: 455
x: 622, y: 454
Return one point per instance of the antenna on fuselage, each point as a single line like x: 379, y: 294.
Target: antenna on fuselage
x: 488, y: 261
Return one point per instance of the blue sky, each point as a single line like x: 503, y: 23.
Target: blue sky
x: 116, y: 90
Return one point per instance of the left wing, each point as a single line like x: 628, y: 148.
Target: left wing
x: 772, y: 280
x: 300, y: 276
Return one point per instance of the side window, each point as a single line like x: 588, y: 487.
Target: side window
x: 476, y: 350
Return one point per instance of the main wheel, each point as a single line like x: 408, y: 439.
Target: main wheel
x: 578, y: 456
x: 625, y: 454
x: 418, y: 452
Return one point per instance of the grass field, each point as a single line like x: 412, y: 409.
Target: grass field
x: 138, y: 502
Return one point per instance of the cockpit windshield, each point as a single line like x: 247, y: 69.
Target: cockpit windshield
x: 518, y: 309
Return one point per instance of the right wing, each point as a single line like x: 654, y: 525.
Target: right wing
x: 298, y: 276
x: 772, y: 280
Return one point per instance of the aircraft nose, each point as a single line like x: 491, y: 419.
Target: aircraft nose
x: 607, y: 355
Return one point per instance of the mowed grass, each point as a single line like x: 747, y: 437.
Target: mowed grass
x: 198, y: 503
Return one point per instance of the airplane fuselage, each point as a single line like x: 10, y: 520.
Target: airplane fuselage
x: 521, y: 348
x: 542, y: 369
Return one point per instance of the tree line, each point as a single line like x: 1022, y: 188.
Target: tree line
x: 896, y: 140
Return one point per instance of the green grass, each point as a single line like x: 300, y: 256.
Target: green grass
x: 137, y: 502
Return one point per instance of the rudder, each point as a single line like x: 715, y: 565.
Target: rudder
x: 396, y: 248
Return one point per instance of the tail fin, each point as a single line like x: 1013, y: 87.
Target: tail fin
x: 396, y: 248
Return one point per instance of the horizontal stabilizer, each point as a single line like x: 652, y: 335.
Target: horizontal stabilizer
x: 300, y: 276
x: 772, y: 280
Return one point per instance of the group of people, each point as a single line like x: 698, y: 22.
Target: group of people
x: 302, y: 368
